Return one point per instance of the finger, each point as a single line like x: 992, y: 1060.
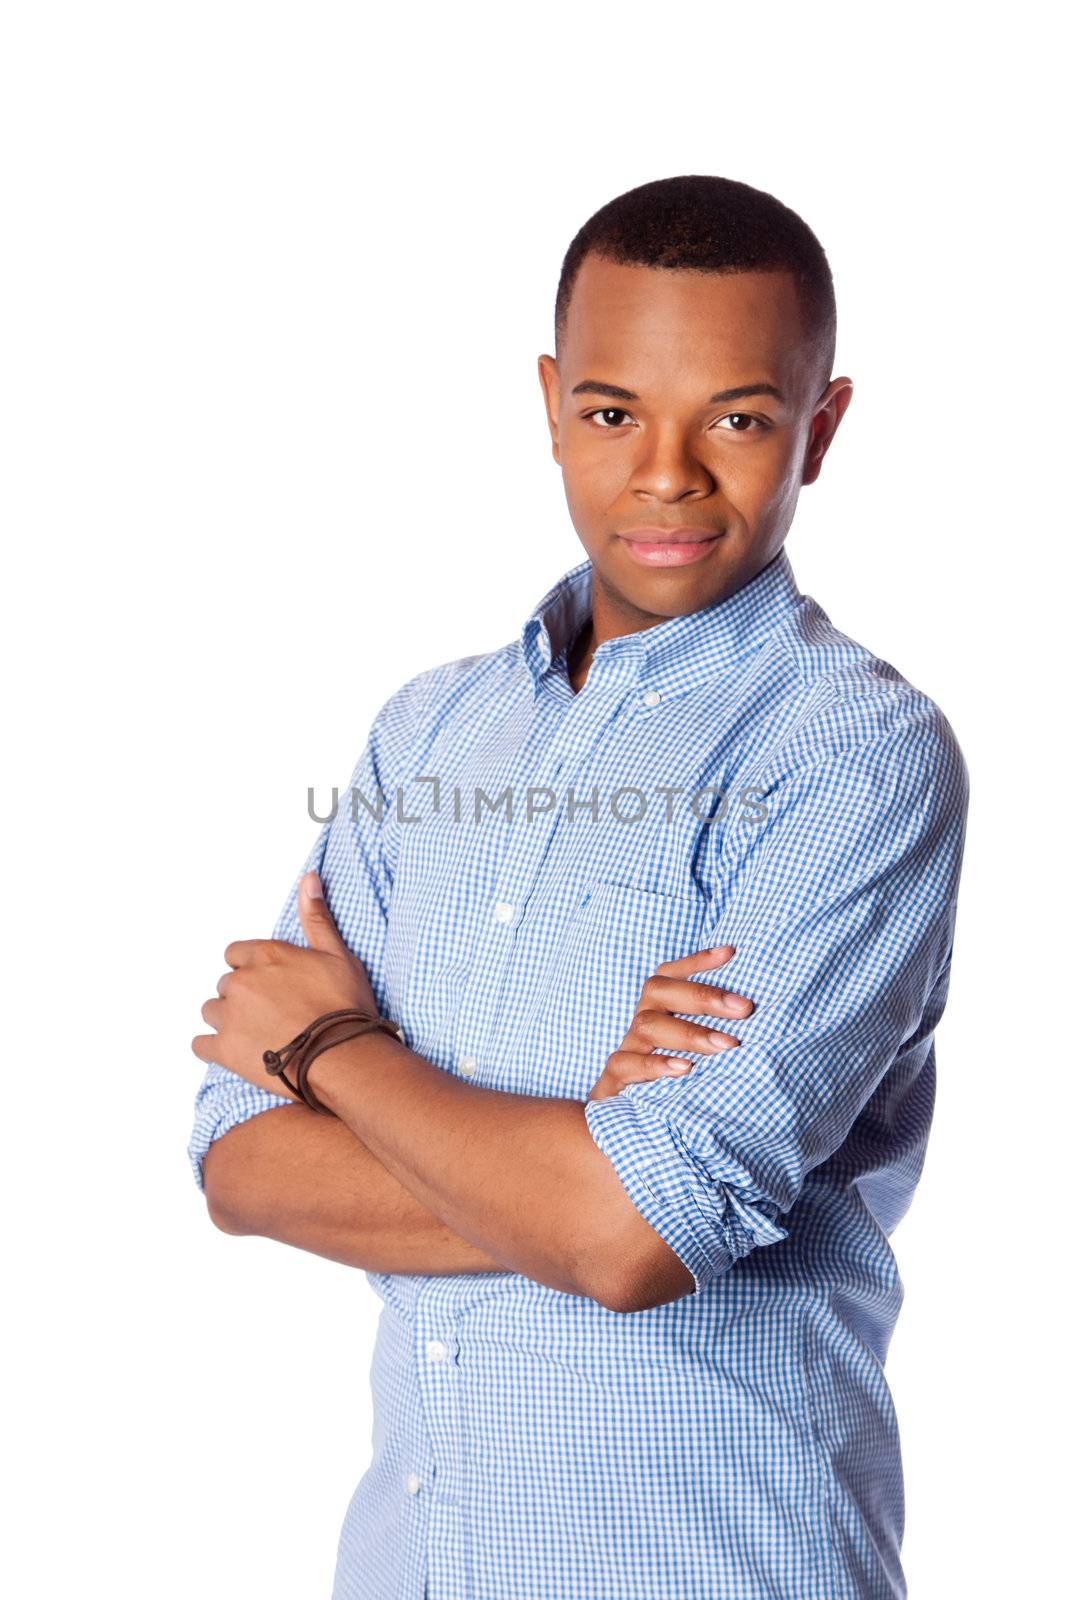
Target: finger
x: 682, y: 994
x: 320, y: 930
x: 242, y: 952
x: 651, y: 1030
x: 224, y: 983
x: 699, y: 961
x: 636, y: 1066
x: 212, y: 1013
x: 205, y: 1045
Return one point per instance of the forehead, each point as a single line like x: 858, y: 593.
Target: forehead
x: 662, y: 324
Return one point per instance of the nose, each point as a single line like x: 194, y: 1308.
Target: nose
x: 668, y: 468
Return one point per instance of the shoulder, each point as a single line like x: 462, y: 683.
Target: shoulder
x: 856, y: 713
x: 862, y: 766
x: 445, y: 689
x: 410, y: 718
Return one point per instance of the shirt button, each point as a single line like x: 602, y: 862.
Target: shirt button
x: 651, y: 697
x: 435, y: 1350
x: 503, y: 911
x: 412, y: 1483
x: 466, y: 1065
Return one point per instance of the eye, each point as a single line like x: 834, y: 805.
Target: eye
x: 744, y: 417
x: 740, y: 421
x: 606, y: 411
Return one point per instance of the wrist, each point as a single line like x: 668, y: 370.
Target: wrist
x: 331, y: 1071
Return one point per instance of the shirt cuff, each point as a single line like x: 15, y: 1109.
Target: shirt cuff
x: 223, y: 1100
x: 705, y: 1221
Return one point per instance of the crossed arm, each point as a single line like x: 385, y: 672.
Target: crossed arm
x: 421, y: 1172
x: 303, y: 1179
x: 842, y: 913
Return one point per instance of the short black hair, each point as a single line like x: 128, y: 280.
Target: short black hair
x: 710, y: 224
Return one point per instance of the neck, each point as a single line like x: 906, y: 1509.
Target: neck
x: 580, y: 654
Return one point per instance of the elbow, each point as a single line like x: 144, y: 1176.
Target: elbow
x: 221, y: 1215
x: 623, y: 1299
x: 220, y: 1207
x: 635, y: 1281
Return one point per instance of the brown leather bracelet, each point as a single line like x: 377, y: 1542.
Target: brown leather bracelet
x: 333, y: 1027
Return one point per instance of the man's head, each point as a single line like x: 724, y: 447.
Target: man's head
x: 673, y: 298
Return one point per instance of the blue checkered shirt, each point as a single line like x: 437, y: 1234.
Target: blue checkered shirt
x: 745, y: 774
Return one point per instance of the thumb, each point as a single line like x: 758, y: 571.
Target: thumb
x: 320, y: 930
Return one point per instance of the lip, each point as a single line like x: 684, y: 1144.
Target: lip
x: 668, y: 547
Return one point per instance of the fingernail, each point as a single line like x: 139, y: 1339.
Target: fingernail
x: 314, y: 886
x: 735, y: 1005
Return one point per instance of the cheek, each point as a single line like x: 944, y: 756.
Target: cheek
x: 778, y: 491
x: 593, y: 478
x: 760, y: 484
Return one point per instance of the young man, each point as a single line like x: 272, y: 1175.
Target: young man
x: 634, y: 1314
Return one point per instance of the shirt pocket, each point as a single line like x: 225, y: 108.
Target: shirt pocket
x: 618, y: 936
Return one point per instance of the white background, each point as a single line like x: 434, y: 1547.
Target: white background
x: 275, y: 280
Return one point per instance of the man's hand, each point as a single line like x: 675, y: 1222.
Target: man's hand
x: 655, y: 1025
x: 277, y: 988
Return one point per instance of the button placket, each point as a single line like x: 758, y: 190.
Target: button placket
x: 435, y: 1362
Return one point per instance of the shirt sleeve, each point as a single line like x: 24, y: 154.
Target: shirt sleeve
x: 840, y: 904
x: 352, y: 856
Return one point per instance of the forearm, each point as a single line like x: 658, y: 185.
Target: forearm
x: 307, y: 1180
x: 520, y: 1175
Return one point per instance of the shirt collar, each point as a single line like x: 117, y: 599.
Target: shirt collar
x: 676, y: 653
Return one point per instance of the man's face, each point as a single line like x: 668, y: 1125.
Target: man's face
x: 645, y: 448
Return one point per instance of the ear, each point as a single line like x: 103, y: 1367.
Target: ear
x: 832, y: 406
x: 548, y: 372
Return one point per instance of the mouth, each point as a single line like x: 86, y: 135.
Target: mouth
x: 668, y: 547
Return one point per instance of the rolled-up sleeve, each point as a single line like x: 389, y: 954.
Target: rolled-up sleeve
x: 840, y: 904
x: 352, y: 857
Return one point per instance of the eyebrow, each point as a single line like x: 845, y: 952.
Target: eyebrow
x: 742, y: 392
